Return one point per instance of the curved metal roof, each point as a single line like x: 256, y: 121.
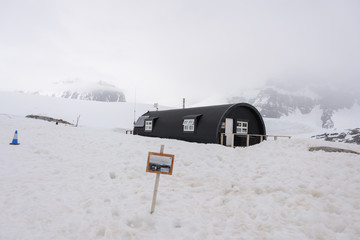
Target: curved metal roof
x: 169, y: 122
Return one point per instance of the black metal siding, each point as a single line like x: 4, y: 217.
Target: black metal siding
x: 169, y: 123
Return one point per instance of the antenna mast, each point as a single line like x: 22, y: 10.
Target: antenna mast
x: 135, y: 107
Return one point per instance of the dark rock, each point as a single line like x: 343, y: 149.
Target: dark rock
x: 331, y: 149
x: 49, y: 119
x: 350, y: 136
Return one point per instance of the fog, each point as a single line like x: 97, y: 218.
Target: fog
x: 166, y: 50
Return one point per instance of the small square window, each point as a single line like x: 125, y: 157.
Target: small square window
x: 189, y: 125
x: 241, y: 127
x: 148, y: 126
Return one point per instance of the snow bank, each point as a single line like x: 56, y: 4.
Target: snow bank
x: 64, y: 182
x: 344, y: 118
x: 92, y: 113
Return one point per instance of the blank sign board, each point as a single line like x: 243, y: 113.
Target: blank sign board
x: 160, y: 163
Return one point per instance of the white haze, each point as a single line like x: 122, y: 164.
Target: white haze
x: 166, y: 50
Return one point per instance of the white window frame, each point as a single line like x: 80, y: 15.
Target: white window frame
x: 189, y: 125
x: 148, y: 125
x: 242, y: 127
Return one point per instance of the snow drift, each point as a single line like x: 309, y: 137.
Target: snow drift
x: 64, y: 182
x: 92, y: 113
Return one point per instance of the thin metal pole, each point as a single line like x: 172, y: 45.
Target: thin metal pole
x: 135, y: 107
x: 156, y: 185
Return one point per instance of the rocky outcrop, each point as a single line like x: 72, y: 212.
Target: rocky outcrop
x: 273, y: 104
x: 49, y: 119
x: 331, y: 149
x: 350, y: 136
x: 100, y: 91
x: 327, y: 122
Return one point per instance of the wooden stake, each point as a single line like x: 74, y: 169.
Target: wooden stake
x: 162, y: 148
x: 77, y: 121
x: 156, y: 185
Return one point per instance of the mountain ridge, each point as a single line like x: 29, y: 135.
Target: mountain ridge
x: 274, y: 103
x: 100, y: 91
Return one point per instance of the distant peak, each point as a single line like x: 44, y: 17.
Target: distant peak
x: 84, y: 90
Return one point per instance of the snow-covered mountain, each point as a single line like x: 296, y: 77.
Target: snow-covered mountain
x: 76, y: 89
x: 273, y: 102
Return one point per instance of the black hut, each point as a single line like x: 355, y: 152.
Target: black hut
x: 228, y: 124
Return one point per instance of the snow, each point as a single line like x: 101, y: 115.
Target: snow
x: 344, y: 118
x: 297, y: 125
x: 88, y: 182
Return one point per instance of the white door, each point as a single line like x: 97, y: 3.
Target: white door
x: 229, y: 129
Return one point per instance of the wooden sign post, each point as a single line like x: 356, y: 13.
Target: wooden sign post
x: 159, y: 163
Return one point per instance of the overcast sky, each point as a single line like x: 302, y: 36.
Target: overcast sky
x: 168, y: 50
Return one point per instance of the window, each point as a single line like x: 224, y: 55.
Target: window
x: 242, y: 127
x: 148, y: 125
x: 189, y: 125
x: 190, y: 121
